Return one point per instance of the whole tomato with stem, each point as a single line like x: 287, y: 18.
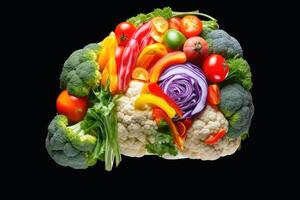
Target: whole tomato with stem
x: 123, y: 32
x: 195, y: 49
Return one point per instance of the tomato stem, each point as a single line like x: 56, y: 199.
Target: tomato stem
x: 195, y: 12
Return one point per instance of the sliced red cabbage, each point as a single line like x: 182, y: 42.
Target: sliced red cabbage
x: 187, y: 86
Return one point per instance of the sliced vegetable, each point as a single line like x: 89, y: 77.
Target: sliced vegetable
x: 73, y: 107
x: 176, y: 137
x: 174, y: 23
x: 151, y: 54
x: 166, y: 61
x: 123, y: 32
x: 187, y: 86
x: 160, y: 24
x: 110, y: 44
x: 213, y: 95
x: 188, y: 123
x: 174, y: 39
x: 156, y: 36
x: 215, y: 137
x: 140, y: 39
x: 118, y: 56
x: 182, y: 130
x: 145, y: 89
x: 196, y: 50
x: 149, y: 99
x: 215, y: 68
x: 141, y: 74
x: 191, y: 26
x: 156, y: 90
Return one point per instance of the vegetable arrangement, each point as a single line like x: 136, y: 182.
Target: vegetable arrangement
x: 165, y: 83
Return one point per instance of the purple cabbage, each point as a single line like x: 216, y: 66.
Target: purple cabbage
x: 187, y: 86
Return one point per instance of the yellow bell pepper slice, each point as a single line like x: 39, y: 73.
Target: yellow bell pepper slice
x: 110, y: 44
x: 149, y: 99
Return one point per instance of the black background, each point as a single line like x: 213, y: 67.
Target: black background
x: 54, y: 30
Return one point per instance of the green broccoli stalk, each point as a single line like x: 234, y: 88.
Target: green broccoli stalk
x: 237, y: 106
x: 80, y: 72
x: 70, y: 145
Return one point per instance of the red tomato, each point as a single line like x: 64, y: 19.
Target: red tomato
x: 73, y: 107
x: 213, y: 95
x: 123, y: 32
x: 191, y: 26
x: 195, y: 49
x: 215, y: 68
x: 174, y: 23
x: 118, y: 56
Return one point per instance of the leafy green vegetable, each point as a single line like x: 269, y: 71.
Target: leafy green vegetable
x: 142, y: 18
x: 237, y: 106
x: 80, y: 72
x: 163, y: 143
x: 103, y: 115
x: 239, y: 72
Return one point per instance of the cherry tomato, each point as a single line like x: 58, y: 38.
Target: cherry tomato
x: 174, y: 23
x: 73, y: 107
x: 195, y: 49
x: 215, y: 68
x: 191, y: 26
x: 213, y: 95
x: 123, y: 32
x: 118, y: 55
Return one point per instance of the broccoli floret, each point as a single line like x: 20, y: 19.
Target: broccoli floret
x: 237, y: 106
x: 222, y: 43
x: 80, y: 72
x: 239, y: 72
x: 70, y: 145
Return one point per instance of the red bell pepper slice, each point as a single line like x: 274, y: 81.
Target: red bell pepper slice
x: 215, y: 137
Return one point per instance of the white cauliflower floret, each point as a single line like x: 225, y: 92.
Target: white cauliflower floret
x: 135, y: 127
x: 208, y: 122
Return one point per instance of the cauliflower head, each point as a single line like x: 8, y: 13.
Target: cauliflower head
x: 208, y: 122
x: 136, y: 129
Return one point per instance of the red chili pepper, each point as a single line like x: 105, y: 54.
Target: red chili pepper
x: 156, y: 90
x: 215, y: 137
x: 136, y: 43
x: 128, y: 61
x: 141, y: 32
